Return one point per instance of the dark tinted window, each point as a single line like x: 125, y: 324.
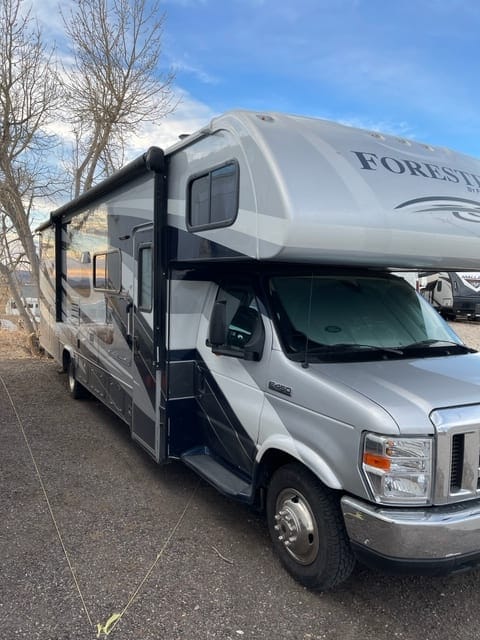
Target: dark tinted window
x: 200, y: 202
x: 213, y: 198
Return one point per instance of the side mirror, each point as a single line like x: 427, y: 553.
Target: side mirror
x: 217, y: 334
x: 227, y: 342
x: 254, y: 347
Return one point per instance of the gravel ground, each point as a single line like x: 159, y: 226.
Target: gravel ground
x: 89, y: 524
x: 469, y: 332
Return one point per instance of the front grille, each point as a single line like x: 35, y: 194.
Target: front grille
x: 456, y: 468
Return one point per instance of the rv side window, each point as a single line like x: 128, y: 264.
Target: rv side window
x: 213, y: 198
x: 107, y: 271
x: 145, y: 278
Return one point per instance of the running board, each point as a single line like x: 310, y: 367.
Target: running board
x: 219, y: 476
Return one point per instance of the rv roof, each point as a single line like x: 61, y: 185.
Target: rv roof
x: 354, y: 196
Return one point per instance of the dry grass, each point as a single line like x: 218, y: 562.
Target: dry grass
x: 16, y: 345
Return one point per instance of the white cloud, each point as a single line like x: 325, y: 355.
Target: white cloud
x: 49, y: 14
x: 188, y: 117
x: 197, y: 72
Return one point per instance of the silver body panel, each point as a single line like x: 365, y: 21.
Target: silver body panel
x: 436, y: 533
x: 317, y: 191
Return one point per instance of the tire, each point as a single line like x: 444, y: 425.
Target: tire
x: 307, y: 529
x: 76, y: 390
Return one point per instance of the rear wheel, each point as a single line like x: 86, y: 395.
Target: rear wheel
x: 76, y: 390
x: 307, y: 529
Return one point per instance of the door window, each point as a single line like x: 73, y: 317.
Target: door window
x: 145, y: 274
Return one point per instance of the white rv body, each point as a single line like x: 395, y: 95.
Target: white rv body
x: 232, y: 299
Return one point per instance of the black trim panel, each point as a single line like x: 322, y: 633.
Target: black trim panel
x: 409, y: 566
x: 186, y: 246
x: 224, y: 434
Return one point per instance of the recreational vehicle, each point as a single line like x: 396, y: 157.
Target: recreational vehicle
x: 452, y: 293
x: 233, y: 300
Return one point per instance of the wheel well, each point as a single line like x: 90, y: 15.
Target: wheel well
x: 65, y: 359
x: 272, y: 460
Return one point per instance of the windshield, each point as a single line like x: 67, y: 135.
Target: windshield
x: 334, y: 317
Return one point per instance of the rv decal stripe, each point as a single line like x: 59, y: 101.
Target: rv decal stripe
x: 435, y: 198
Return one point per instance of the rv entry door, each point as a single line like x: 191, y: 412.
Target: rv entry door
x: 144, y: 429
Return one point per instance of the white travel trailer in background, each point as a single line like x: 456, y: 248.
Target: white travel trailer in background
x: 452, y: 293
x: 233, y: 300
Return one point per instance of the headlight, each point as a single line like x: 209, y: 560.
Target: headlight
x: 398, y: 470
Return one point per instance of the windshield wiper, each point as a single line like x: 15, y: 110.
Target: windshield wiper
x: 372, y: 347
x: 435, y: 342
x: 351, y: 346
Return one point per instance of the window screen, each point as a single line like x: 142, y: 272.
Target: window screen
x: 213, y: 198
x: 145, y: 278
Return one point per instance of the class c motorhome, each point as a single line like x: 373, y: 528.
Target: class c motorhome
x: 232, y: 299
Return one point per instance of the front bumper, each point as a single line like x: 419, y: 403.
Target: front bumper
x: 414, y: 540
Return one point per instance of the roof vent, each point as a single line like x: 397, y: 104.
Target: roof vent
x: 264, y: 117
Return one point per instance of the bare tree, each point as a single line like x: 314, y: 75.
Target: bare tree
x: 28, y: 99
x: 12, y: 258
x: 114, y: 84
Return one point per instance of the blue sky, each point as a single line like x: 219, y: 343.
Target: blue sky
x: 408, y: 67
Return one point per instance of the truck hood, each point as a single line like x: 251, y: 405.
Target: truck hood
x: 409, y: 390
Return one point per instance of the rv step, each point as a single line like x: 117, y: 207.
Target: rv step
x: 219, y: 476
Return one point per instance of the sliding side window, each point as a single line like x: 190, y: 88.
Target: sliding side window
x: 212, y: 199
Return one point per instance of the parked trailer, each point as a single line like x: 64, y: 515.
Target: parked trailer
x: 232, y: 300
x: 452, y: 293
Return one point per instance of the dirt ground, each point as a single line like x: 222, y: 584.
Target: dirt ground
x: 178, y: 560
x: 469, y: 332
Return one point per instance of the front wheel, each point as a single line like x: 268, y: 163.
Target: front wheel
x: 307, y: 528
x: 76, y: 390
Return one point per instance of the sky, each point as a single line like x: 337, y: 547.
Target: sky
x: 406, y: 67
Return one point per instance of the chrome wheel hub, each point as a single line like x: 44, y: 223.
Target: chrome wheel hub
x: 71, y: 380
x: 296, y: 527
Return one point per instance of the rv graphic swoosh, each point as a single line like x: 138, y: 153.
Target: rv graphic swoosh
x: 462, y: 208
